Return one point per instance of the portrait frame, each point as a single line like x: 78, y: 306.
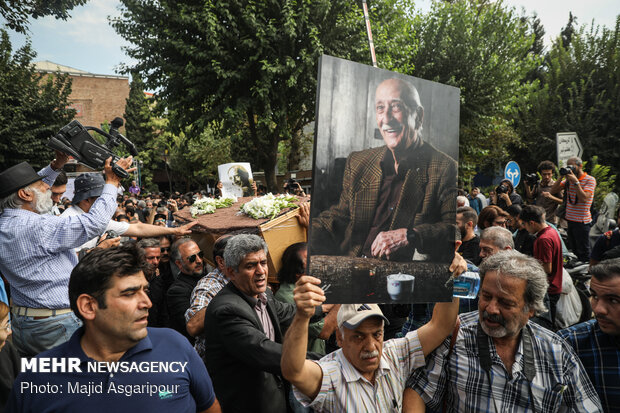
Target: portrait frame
x: 348, y: 173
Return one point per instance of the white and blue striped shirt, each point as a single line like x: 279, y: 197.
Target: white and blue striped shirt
x: 36, y: 250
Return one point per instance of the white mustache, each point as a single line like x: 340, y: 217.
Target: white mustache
x: 369, y: 354
x: 391, y: 127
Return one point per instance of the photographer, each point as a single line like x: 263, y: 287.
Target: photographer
x: 505, y: 195
x: 580, y: 193
x: 539, y: 192
x: 293, y: 187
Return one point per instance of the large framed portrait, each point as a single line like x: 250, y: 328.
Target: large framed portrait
x: 382, y: 225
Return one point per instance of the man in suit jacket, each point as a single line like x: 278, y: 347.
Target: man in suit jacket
x: 394, y: 195
x: 242, y: 333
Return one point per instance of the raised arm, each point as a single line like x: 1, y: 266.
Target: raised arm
x: 140, y: 229
x: 304, y: 374
x: 441, y: 325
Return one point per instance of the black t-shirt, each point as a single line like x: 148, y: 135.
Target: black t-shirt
x: 470, y: 250
x: 524, y: 242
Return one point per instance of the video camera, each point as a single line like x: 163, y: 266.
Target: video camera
x: 532, y: 179
x: 501, y: 189
x: 570, y: 169
x: 74, y: 139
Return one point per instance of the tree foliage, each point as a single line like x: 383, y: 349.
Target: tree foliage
x: 17, y: 12
x: 579, y: 91
x: 33, y: 107
x: 486, y: 50
x: 192, y: 155
x: 249, y: 65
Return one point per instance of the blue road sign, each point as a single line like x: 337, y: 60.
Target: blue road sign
x: 512, y: 172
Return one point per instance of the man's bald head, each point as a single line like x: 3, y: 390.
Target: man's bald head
x: 399, y: 113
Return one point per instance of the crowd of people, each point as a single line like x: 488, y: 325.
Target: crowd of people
x: 114, y: 283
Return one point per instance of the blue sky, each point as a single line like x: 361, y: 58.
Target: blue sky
x: 86, y: 41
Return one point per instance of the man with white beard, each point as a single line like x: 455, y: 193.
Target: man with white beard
x: 36, y: 251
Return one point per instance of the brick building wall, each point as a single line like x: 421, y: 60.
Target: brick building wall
x: 96, y: 98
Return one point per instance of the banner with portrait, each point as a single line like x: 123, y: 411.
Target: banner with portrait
x: 236, y: 179
x: 382, y: 226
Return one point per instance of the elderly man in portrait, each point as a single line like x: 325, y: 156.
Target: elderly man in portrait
x: 391, y: 195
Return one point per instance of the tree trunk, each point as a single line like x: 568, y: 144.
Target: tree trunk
x: 269, y: 162
x: 294, y: 156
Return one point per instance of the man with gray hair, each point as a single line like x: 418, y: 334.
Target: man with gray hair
x: 36, y: 251
x: 494, y: 240
x: 498, y: 360
x: 243, y: 339
x: 189, y: 259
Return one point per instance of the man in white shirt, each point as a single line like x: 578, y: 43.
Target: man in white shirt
x: 88, y: 188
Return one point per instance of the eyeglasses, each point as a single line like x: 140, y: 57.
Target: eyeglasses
x: 192, y: 258
x: 499, y: 223
x: 164, y: 249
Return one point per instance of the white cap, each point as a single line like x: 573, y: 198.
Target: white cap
x: 352, y: 315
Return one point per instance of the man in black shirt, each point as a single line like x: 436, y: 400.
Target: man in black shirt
x: 524, y: 241
x: 466, y: 220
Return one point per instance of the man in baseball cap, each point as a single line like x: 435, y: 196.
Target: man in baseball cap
x: 88, y: 188
x: 366, y: 374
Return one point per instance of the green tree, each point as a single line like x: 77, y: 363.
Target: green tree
x: 579, y: 91
x: 17, y: 12
x: 487, y: 50
x: 139, y: 114
x: 248, y: 65
x: 33, y: 107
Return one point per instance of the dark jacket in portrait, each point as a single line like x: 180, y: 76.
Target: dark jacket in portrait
x: 427, y: 198
x: 242, y: 362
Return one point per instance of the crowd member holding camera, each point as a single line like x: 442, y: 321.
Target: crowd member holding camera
x: 293, y: 187
x: 88, y: 188
x: 36, y: 250
x: 505, y: 195
x: 580, y: 193
x: 538, y: 191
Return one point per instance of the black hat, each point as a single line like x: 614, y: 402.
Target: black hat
x: 87, y: 186
x: 17, y: 177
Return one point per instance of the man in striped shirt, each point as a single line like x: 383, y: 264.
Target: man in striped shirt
x: 580, y: 187
x: 366, y: 374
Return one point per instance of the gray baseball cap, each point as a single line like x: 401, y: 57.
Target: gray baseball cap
x: 87, y: 186
x: 352, y: 315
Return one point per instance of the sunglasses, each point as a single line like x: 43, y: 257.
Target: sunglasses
x: 192, y: 258
x: 164, y: 249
